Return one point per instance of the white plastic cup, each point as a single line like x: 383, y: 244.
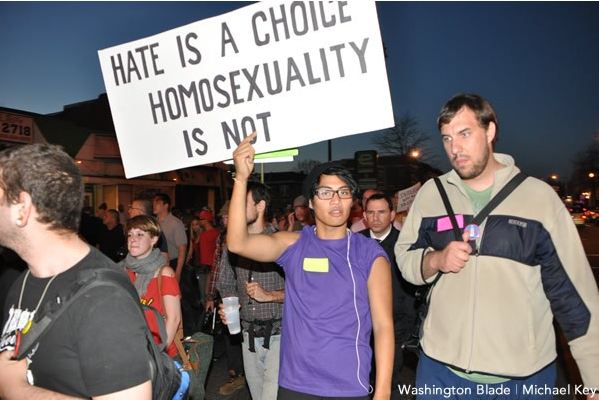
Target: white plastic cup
x: 231, y: 308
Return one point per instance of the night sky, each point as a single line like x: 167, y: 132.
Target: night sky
x: 538, y: 64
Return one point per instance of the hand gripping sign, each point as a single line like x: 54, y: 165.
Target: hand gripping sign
x: 295, y: 72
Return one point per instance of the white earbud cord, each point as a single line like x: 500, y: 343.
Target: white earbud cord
x: 370, y: 389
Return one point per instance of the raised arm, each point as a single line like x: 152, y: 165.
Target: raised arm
x: 263, y: 248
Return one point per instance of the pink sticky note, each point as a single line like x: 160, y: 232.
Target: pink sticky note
x: 444, y: 224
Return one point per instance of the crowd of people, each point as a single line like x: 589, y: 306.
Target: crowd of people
x: 330, y: 290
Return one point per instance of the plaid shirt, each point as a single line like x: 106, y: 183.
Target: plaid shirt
x: 235, y: 271
x: 218, y: 253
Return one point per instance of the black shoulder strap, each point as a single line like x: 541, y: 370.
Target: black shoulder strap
x: 454, y: 225
x: 454, y: 222
x: 494, y: 202
x: 86, y: 281
x: 484, y: 213
x: 499, y: 197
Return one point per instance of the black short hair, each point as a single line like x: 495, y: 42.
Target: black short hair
x: 163, y: 197
x: 331, y: 168
x: 50, y: 177
x: 379, y: 196
x: 260, y: 192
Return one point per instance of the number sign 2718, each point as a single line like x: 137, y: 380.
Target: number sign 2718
x: 16, y: 128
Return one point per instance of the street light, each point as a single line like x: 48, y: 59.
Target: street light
x: 553, y: 181
x: 592, y: 199
x: 415, y: 153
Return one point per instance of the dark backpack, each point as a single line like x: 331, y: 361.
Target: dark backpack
x: 169, y: 380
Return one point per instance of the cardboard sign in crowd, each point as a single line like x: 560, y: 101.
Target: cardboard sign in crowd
x: 295, y: 72
x: 406, y: 197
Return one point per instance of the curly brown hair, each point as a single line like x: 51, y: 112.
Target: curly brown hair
x: 52, y: 179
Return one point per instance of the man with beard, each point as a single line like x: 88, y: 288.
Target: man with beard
x: 260, y: 287
x: 97, y: 348
x: 489, y: 323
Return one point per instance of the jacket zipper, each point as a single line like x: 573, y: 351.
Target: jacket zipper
x: 475, y: 290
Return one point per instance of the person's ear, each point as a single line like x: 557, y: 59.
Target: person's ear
x: 21, y: 210
x: 261, y: 206
x: 491, y: 131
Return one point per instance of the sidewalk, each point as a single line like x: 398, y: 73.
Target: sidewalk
x: 218, y: 375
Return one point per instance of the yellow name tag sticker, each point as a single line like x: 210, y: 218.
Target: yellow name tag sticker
x: 316, y: 264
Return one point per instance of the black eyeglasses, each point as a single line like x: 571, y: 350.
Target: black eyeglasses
x: 328, y: 193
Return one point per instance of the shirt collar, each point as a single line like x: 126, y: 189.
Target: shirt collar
x: 384, y: 235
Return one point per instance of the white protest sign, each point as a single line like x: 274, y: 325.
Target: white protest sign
x: 405, y: 197
x: 296, y: 72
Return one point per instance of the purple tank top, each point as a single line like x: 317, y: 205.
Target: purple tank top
x: 320, y: 323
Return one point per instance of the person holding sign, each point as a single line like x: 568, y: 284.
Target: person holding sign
x: 337, y: 289
x: 489, y: 329
x: 260, y: 289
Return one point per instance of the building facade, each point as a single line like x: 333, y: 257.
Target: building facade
x: 86, y: 133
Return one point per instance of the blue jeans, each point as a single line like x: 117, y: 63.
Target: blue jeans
x: 262, y: 367
x: 441, y: 384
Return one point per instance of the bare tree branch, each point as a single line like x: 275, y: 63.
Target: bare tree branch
x: 586, y: 161
x: 404, y: 137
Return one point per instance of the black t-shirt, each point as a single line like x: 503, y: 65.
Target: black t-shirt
x: 113, y: 243
x: 97, y: 347
x: 90, y: 228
